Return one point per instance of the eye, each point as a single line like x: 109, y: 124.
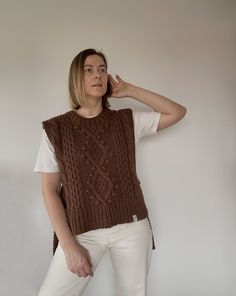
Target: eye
x: 103, y: 70
x: 87, y: 70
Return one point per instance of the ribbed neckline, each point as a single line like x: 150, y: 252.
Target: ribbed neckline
x: 78, y: 118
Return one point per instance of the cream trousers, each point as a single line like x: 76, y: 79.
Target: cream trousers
x: 130, y: 249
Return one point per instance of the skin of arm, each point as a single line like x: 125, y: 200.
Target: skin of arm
x: 77, y: 257
x: 171, y: 112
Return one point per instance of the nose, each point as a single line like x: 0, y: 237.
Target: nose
x: 96, y: 73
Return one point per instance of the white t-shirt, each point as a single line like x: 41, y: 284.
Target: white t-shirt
x: 145, y: 123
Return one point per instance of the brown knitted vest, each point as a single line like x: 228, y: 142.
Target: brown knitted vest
x: 96, y: 158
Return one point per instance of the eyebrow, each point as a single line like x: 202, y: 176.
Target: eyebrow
x: 87, y: 65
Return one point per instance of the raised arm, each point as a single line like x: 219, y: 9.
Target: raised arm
x: 77, y: 257
x: 171, y: 112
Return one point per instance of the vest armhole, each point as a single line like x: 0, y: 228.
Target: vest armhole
x: 50, y: 126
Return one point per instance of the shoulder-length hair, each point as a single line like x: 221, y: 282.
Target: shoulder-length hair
x: 77, y: 95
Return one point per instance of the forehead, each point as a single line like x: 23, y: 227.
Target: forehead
x: 94, y: 60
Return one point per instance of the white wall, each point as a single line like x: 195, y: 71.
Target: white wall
x: 184, y: 50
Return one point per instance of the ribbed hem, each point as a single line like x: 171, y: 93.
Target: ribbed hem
x: 99, y: 216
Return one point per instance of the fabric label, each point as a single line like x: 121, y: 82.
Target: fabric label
x: 135, y: 218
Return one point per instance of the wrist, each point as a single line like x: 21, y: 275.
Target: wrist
x: 132, y: 91
x: 68, y: 243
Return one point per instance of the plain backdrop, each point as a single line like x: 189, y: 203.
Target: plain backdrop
x: 184, y: 50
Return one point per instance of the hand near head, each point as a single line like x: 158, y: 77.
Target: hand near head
x: 120, y: 88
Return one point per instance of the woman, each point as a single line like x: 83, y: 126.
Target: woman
x: 90, y: 186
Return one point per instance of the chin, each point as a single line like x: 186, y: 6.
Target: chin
x: 97, y: 94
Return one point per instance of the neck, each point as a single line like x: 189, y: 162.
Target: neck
x: 88, y: 111
x: 91, y: 108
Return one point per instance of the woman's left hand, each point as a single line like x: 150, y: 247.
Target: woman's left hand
x: 120, y: 88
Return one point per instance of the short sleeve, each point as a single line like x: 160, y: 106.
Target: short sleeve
x: 145, y: 123
x: 46, y: 161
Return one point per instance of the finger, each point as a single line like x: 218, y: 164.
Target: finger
x: 82, y: 272
x: 88, y: 269
x: 79, y: 273
x: 118, y: 78
x: 89, y: 272
x: 112, y: 80
x: 82, y: 275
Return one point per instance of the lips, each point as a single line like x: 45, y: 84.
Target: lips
x: 97, y: 85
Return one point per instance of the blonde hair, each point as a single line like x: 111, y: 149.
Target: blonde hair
x: 77, y: 95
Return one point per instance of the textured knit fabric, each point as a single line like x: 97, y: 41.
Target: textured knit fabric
x: 96, y: 158
x: 145, y: 124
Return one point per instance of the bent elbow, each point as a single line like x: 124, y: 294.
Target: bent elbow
x: 182, y: 112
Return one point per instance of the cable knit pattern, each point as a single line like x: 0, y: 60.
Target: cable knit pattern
x: 96, y: 158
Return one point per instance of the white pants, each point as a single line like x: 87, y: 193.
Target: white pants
x: 130, y: 248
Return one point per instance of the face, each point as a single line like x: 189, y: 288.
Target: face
x: 95, y: 76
